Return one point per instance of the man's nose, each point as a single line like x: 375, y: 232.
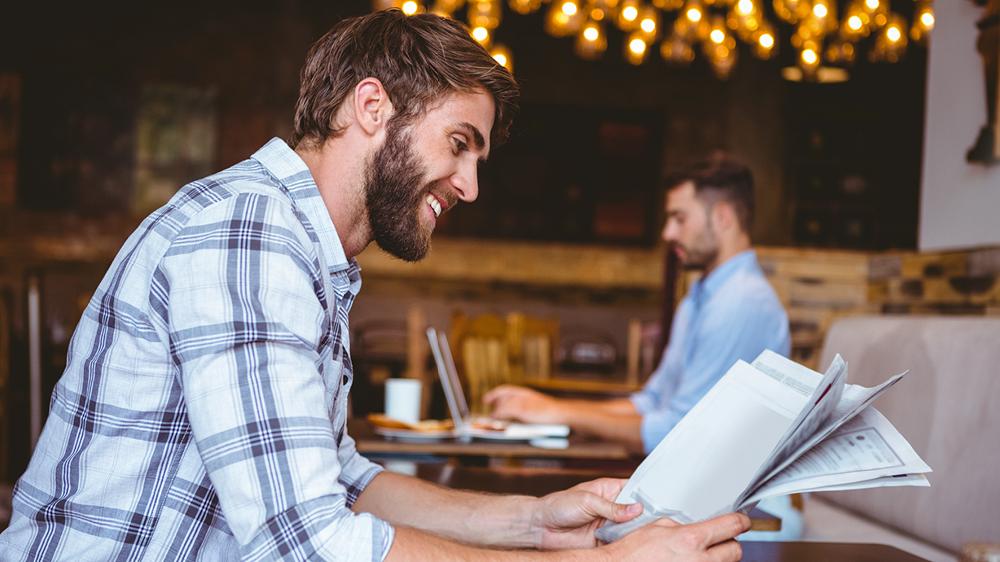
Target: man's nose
x: 466, y: 182
x: 669, y: 233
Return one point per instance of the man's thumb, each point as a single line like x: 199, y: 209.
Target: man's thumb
x: 622, y: 512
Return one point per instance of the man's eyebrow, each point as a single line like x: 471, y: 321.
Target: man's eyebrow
x: 477, y: 137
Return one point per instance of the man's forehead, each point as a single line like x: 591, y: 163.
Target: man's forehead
x: 680, y: 194
x: 474, y: 109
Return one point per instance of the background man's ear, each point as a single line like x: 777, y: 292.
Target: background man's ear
x: 724, y: 216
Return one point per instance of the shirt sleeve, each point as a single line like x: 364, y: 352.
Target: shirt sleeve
x: 660, y: 380
x: 728, y: 331
x: 646, y: 399
x: 244, y: 296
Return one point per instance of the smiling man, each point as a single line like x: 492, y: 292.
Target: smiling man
x: 202, y: 414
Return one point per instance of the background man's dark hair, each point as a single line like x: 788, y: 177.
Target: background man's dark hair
x: 418, y: 59
x: 720, y: 178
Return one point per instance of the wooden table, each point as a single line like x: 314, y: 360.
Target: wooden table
x: 368, y: 442
x: 823, y: 552
x: 537, y: 482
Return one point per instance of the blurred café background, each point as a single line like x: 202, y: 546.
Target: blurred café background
x: 870, y: 126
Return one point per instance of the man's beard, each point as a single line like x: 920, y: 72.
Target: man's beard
x: 393, y: 193
x: 703, y: 251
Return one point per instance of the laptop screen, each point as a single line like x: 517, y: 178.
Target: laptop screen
x: 448, y: 373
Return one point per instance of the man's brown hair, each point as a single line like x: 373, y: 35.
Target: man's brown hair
x: 720, y: 178
x: 417, y: 58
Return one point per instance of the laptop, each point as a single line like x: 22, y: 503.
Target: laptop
x: 540, y: 434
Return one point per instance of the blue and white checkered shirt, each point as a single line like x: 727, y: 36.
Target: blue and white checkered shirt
x: 202, y: 412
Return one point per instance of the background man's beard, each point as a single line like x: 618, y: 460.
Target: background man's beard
x: 702, y: 253
x: 699, y: 260
x: 393, y: 193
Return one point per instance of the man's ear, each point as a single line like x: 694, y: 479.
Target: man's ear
x: 372, y: 107
x: 724, y: 216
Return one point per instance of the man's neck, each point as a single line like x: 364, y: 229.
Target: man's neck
x: 339, y: 174
x: 728, y: 252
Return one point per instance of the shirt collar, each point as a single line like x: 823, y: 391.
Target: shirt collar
x: 293, y: 174
x: 743, y: 261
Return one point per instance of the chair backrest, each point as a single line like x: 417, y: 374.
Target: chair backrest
x: 948, y: 407
x: 492, y: 350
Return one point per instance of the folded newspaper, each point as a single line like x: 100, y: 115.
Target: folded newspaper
x: 767, y: 429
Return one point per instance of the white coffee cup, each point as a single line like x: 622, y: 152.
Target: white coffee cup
x: 402, y: 399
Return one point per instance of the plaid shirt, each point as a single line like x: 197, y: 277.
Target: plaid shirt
x: 202, y: 412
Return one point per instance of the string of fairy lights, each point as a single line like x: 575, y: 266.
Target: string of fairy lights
x: 824, y: 41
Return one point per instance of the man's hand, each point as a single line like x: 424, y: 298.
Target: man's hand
x: 569, y: 518
x: 711, y: 540
x: 523, y: 404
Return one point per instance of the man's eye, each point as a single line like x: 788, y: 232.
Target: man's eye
x: 459, y: 146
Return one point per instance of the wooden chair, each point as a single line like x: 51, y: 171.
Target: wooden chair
x: 492, y: 350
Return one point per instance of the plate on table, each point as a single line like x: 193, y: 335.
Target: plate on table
x: 424, y: 430
x: 415, y: 435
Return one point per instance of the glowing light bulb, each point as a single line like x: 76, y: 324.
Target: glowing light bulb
x: 590, y: 33
x: 927, y: 19
x: 717, y: 36
x: 570, y: 8
x: 820, y: 11
x: 502, y: 55
x: 648, y: 25
x: 854, y: 23
x: 766, y: 40
x: 480, y: 34
x: 629, y: 13
x: 597, y: 14
x: 409, y: 7
x: 744, y: 7
x: 693, y: 14
x: 872, y: 5
x: 810, y: 57
x: 893, y: 34
x: 637, y: 46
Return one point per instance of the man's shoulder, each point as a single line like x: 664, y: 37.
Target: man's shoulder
x: 749, y: 288
x: 243, y: 194
x: 248, y: 177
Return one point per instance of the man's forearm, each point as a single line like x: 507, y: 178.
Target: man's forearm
x: 413, y: 544
x: 468, y: 517
x: 610, y: 406
x: 620, y: 426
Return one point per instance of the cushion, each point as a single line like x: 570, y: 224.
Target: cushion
x: 948, y: 407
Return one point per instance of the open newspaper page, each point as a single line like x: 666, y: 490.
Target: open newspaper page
x: 865, y: 452
x: 769, y: 429
x: 855, y: 400
x: 714, y: 452
x: 824, y: 395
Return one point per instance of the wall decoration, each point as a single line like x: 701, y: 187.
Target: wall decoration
x: 176, y: 140
x: 986, y: 150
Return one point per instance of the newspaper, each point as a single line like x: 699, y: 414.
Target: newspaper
x: 767, y: 429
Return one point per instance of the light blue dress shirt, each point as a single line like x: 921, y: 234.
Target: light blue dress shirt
x: 731, y: 314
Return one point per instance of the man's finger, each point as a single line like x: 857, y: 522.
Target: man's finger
x: 720, y: 529
x: 597, y: 506
x: 604, y: 487
x: 729, y: 551
x: 496, y: 393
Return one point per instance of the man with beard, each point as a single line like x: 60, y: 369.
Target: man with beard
x: 203, y: 408
x: 731, y: 313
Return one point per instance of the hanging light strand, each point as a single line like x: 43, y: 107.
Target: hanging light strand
x: 820, y: 34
